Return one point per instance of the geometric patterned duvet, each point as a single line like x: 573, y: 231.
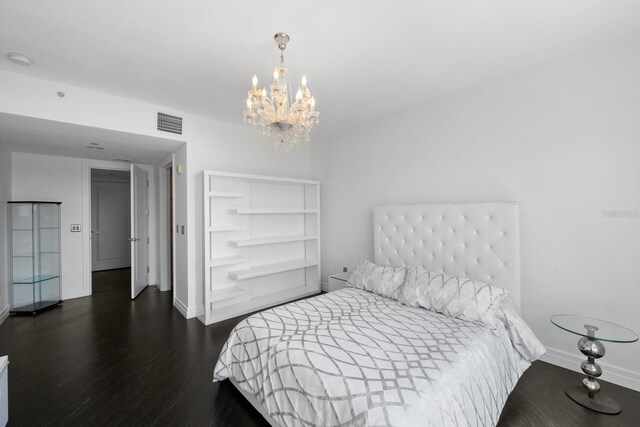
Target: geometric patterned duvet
x: 351, y: 357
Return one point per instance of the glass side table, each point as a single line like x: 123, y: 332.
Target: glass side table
x: 593, y: 332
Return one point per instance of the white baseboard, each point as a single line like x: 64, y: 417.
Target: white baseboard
x: 4, y: 313
x: 74, y: 293
x: 613, y: 374
x: 324, y: 286
x: 183, y: 309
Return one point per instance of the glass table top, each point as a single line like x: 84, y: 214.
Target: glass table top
x: 590, y: 327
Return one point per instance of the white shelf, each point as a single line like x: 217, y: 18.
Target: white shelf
x: 254, y: 221
x: 225, y: 195
x: 218, y: 295
x: 272, y: 211
x: 226, y: 227
x: 270, y: 240
x: 266, y: 269
x: 225, y: 260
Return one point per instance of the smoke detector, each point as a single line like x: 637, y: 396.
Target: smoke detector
x: 20, y: 59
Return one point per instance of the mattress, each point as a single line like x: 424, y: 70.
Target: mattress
x: 351, y: 357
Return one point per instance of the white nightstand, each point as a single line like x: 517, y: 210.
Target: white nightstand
x: 338, y: 281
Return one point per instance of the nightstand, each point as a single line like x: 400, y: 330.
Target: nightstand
x: 4, y: 391
x: 338, y: 281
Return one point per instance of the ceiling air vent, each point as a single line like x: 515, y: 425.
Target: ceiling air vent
x: 167, y: 123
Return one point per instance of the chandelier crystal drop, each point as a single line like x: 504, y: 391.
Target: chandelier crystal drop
x: 285, y: 120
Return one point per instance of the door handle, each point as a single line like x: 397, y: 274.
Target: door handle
x: 95, y: 232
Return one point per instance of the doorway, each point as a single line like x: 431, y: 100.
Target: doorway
x: 167, y: 225
x: 100, y: 253
x: 110, y: 219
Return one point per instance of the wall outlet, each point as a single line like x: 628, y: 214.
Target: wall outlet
x: 75, y: 228
x: 344, y: 269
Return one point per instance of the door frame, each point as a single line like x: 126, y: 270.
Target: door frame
x: 163, y: 174
x: 87, y: 166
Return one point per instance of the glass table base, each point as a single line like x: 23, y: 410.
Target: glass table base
x: 599, y: 403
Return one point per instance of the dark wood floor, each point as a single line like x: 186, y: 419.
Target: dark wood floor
x: 107, y: 360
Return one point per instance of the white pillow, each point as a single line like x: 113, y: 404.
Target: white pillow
x: 385, y: 281
x: 452, y: 296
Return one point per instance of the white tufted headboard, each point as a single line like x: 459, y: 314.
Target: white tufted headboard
x: 479, y: 241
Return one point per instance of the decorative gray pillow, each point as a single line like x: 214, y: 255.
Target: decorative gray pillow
x: 452, y: 296
x: 385, y: 281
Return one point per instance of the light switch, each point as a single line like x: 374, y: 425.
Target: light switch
x: 75, y: 228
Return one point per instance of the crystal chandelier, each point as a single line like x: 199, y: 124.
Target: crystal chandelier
x: 281, y: 118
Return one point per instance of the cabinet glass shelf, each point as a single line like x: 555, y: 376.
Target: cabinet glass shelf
x: 33, y: 280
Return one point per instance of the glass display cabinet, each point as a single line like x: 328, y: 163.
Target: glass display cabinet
x: 34, y: 233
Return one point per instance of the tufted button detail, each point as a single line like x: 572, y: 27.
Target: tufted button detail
x: 419, y: 235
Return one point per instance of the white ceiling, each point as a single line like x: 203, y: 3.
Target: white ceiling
x: 32, y: 135
x: 364, y: 59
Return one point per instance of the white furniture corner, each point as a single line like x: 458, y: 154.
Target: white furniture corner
x: 4, y: 390
x: 338, y: 281
x: 260, y: 239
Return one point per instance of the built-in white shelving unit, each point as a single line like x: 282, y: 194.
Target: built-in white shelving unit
x: 260, y: 241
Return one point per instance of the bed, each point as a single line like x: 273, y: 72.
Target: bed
x: 352, y: 357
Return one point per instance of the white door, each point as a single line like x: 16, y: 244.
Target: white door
x: 139, y: 230
x: 110, y: 225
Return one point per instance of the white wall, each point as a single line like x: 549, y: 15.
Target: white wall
x: 563, y: 140
x: 5, y: 195
x: 53, y: 178
x: 181, y: 292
